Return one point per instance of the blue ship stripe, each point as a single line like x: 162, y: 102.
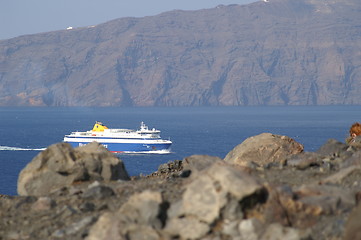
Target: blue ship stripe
x: 128, y: 147
x: 100, y: 137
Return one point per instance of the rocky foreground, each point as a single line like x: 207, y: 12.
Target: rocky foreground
x: 266, y: 188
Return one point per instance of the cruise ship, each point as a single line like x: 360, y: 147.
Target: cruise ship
x: 144, y: 140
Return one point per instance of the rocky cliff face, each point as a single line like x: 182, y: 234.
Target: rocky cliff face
x: 281, y: 52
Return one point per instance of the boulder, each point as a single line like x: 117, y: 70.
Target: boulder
x: 138, y: 218
x: 143, y: 209
x: 263, y: 149
x: 105, y: 228
x: 220, y: 190
x: 61, y: 165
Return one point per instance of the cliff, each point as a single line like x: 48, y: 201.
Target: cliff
x: 281, y: 52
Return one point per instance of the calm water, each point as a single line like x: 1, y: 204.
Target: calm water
x: 206, y: 130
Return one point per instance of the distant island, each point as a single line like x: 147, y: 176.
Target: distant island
x: 276, y: 52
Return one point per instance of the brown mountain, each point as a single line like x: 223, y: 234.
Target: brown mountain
x: 281, y: 52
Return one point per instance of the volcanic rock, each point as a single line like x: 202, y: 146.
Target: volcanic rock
x: 263, y: 149
x: 137, y: 218
x: 60, y: 165
x: 196, y: 163
x: 213, y: 192
x: 219, y: 200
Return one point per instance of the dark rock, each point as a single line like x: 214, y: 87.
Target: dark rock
x: 170, y: 167
x: 281, y: 207
x: 163, y: 168
x: 185, y: 173
x: 87, y: 207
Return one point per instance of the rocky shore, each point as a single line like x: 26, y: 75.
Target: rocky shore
x: 267, y: 187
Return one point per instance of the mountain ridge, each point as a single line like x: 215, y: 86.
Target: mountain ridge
x: 281, y: 52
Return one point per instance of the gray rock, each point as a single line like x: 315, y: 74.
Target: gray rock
x: 141, y: 232
x: 137, y: 218
x: 186, y: 228
x: 142, y: 209
x: 353, y: 225
x: 202, y: 200
x: 196, y: 163
x: 230, y: 229
x: 74, y: 228
x: 354, y: 160
x: 107, y: 227
x: 263, y: 149
x: 276, y: 231
x: 304, y: 160
x: 335, y: 149
x: 61, y: 165
x: 99, y: 192
x: 233, y: 210
x: 342, y: 174
x: 43, y: 204
x: 325, y: 199
x: 250, y: 229
x: 209, y: 193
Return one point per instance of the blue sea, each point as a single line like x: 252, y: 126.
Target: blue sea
x: 199, y: 130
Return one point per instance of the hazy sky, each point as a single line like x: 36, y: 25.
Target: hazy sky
x: 19, y: 17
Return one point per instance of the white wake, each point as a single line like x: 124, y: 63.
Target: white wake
x: 6, y: 148
x: 146, y: 152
